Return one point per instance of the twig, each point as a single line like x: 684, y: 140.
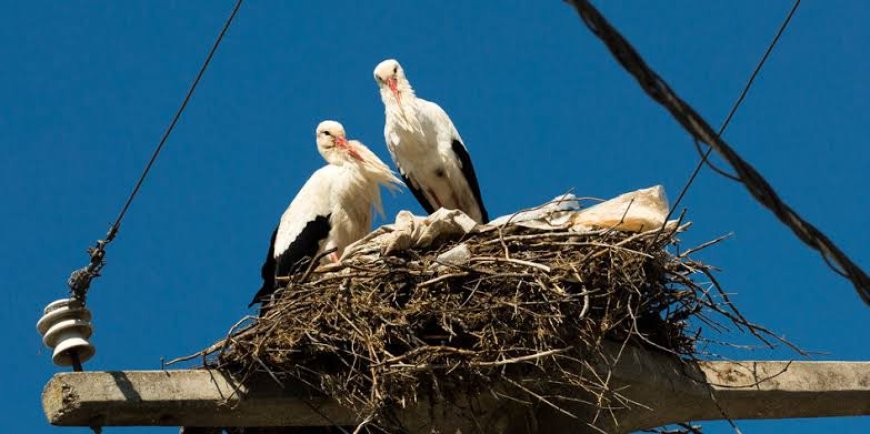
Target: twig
x: 522, y: 358
x: 541, y: 267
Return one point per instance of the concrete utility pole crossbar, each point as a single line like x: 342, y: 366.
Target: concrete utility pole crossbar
x: 743, y: 390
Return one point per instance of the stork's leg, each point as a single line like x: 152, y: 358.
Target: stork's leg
x: 438, y: 203
x: 459, y: 204
x: 333, y: 257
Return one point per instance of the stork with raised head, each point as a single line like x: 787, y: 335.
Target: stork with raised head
x: 427, y: 149
x: 332, y: 210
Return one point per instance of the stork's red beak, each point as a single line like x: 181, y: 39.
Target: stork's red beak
x: 394, y: 88
x: 343, y: 144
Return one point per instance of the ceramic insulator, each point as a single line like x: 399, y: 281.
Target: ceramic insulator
x: 66, y: 327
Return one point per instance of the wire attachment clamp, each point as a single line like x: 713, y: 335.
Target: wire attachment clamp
x: 80, y: 280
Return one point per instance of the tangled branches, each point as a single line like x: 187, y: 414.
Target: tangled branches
x: 525, y: 316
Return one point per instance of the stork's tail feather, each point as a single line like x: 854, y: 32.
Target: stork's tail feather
x: 264, y: 291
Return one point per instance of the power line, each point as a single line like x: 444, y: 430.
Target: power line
x: 700, y: 130
x: 80, y: 280
x: 705, y: 157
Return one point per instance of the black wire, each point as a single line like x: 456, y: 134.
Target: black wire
x: 712, y: 165
x: 692, y: 122
x: 178, y: 113
x: 80, y: 280
x: 734, y: 107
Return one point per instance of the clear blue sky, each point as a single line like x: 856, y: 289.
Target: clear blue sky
x: 87, y: 88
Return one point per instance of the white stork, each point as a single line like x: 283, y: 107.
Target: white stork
x: 426, y: 147
x: 332, y: 210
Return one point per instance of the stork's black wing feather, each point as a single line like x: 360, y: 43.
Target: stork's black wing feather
x: 470, y: 176
x: 298, y: 254
x: 304, y: 247
x: 267, y: 271
x: 417, y: 193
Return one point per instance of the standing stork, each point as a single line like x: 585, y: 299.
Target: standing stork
x: 426, y: 147
x: 332, y: 210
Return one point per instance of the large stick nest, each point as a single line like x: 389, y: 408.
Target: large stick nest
x: 527, y: 311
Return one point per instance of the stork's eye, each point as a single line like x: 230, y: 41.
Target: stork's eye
x: 327, y: 133
x: 395, y: 70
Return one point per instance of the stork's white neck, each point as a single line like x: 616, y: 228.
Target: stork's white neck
x: 402, y: 111
x: 359, y: 191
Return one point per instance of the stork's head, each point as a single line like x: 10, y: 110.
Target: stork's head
x: 333, y: 145
x: 392, y: 81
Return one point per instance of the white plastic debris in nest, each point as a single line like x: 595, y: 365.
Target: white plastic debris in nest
x: 553, y: 214
x: 457, y: 256
x: 414, y: 232
x: 636, y: 211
